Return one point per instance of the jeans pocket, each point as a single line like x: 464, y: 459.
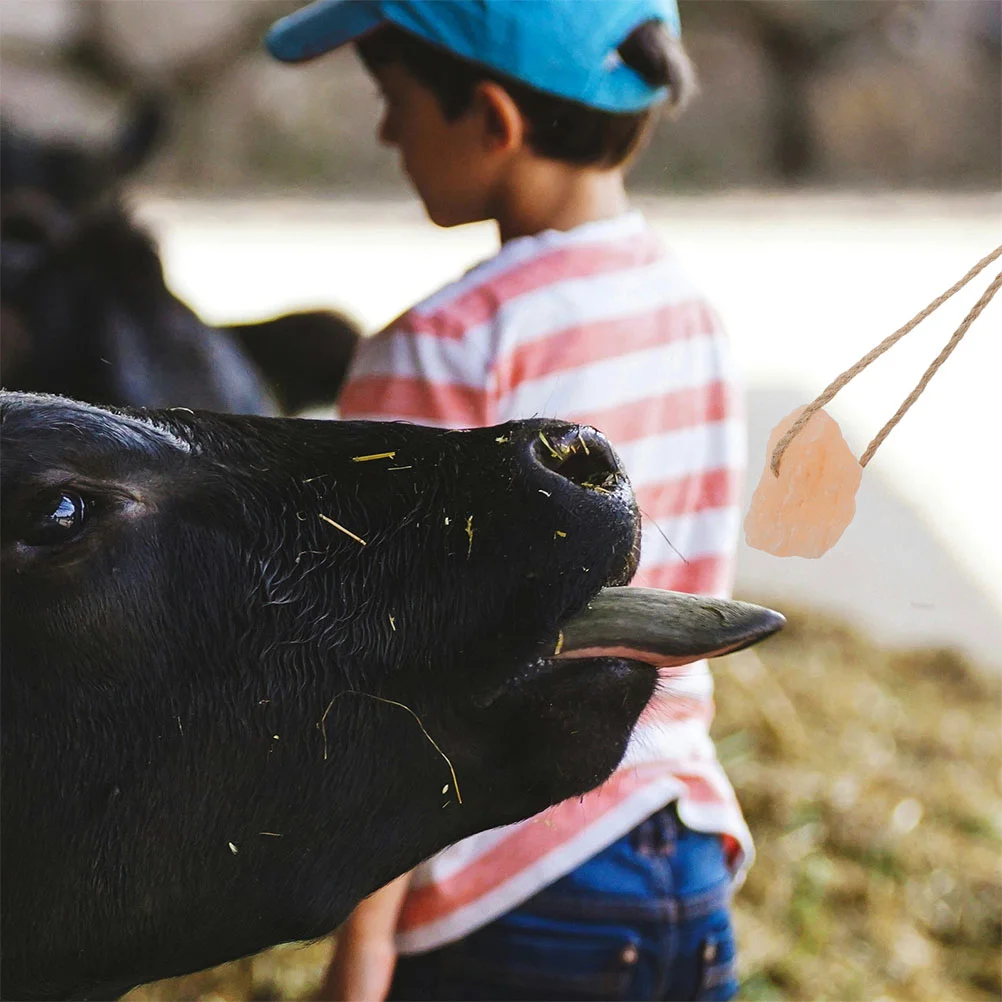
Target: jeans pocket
x: 717, y: 965
x: 543, y: 959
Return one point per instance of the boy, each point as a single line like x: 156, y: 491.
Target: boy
x: 527, y: 112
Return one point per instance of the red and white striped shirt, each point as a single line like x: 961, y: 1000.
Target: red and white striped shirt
x: 597, y: 325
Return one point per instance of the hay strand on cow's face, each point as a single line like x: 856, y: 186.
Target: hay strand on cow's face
x: 375, y: 455
x: 546, y: 442
x: 403, y: 706
x: 303, y: 553
x: 323, y: 725
x: 469, y: 533
x: 347, y: 532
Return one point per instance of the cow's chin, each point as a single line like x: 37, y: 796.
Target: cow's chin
x: 567, y: 721
x: 567, y: 724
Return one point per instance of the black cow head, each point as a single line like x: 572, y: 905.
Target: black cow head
x: 253, y: 668
x: 86, y: 311
x: 76, y: 176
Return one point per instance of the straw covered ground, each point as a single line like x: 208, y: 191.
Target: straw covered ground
x: 870, y: 779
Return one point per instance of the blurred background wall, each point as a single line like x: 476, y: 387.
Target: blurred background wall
x: 861, y: 93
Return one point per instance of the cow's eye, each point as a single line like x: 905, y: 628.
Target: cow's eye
x: 56, y: 519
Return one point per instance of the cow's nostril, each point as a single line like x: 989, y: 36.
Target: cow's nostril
x: 579, y: 454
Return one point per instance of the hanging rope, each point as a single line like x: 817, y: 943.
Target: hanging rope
x: 829, y: 392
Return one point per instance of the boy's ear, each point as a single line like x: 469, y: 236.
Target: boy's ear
x: 504, y: 127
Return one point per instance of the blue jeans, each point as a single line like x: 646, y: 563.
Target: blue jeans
x: 646, y: 918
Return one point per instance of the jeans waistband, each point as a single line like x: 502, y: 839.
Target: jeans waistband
x: 658, y: 834
x: 659, y: 838
x: 552, y: 904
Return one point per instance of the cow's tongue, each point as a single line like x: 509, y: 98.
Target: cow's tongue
x: 664, y: 628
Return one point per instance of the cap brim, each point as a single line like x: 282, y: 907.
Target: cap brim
x: 321, y: 27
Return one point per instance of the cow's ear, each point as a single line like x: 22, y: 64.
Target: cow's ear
x: 304, y: 356
x: 145, y: 127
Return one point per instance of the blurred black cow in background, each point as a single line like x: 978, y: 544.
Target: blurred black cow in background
x: 86, y: 311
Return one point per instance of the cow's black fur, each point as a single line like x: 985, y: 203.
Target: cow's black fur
x: 199, y: 753
x: 86, y: 311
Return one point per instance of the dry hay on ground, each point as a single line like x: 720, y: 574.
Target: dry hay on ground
x: 870, y: 781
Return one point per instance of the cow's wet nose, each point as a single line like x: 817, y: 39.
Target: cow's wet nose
x: 578, y: 453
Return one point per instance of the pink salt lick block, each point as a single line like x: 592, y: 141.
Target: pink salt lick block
x: 804, y: 511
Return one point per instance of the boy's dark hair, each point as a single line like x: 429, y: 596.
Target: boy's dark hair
x: 558, y: 129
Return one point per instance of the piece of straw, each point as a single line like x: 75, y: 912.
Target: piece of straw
x: 347, y: 532
x: 403, y: 706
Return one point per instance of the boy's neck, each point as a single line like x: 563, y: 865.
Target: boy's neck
x: 540, y: 195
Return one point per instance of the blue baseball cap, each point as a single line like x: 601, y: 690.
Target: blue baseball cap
x: 561, y: 47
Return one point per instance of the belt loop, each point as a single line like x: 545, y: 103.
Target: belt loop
x: 645, y: 838
x: 668, y: 825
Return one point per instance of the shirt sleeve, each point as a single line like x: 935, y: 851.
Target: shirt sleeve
x: 424, y: 369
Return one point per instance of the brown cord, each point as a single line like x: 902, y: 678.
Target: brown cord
x: 829, y: 392
x: 931, y: 371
